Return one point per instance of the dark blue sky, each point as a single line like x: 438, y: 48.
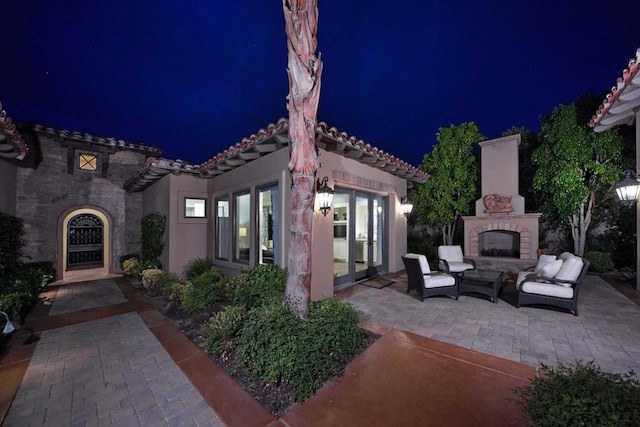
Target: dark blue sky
x: 195, y: 77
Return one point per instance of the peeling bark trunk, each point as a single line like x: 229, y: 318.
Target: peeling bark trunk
x: 304, y: 71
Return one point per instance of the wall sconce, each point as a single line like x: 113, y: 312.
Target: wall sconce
x: 324, y: 193
x: 628, y: 189
x: 10, y: 326
x: 406, y: 206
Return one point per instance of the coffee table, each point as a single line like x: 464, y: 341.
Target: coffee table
x: 485, y: 282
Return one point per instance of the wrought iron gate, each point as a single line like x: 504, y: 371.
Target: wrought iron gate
x: 85, y: 242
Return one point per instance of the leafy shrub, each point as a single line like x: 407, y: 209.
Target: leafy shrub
x: 197, y: 266
x: 130, y: 266
x: 11, y: 244
x: 34, y: 276
x: 125, y: 257
x: 280, y: 348
x: 153, y: 226
x: 222, y: 329
x: 150, y: 278
x: 581, y: 395
x: 260, y: 284
x: 169, y: 284
x: 601, y: 262
x: 204, y: 290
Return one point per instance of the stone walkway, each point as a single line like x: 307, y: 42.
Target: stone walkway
x: 110, y: 371
x: 606, y: 331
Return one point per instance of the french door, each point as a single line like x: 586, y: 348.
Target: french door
x: 359, y: 235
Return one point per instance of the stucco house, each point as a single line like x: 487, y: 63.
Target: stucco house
x: 82, y: 199
x: 621, y: 106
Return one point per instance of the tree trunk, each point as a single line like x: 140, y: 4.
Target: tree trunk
x: 448, y: 231
x: 304, y: 71
x: 580, y: 225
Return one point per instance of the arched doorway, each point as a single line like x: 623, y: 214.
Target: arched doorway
x: 86, y: 248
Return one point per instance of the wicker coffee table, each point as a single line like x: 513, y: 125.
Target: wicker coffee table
x: 484, y: 282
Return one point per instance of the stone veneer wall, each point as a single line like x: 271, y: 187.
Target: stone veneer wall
x: 46, y: 191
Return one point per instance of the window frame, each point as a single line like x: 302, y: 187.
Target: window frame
x: 200, y: 199
x: 222, y: 239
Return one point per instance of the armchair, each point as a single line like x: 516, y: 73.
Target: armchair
x: 451, y: 260
x: 424, y: 281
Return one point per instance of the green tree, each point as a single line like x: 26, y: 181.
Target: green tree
x: 451, y: 188
x: 576, y: 167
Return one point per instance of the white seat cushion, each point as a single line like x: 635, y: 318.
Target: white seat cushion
x: 548, y: 289
x: 544, y: 260
x: 550, y: 270
x: 438, y: 280
x: 571, y: 268
x: 452, y: 253
x: 525, y: 275
x: 457, y: 267
x: 424, y: 265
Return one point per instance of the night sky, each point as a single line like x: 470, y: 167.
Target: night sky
x: 194, y: 77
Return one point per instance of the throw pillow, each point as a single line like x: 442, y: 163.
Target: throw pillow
x: 549, y: 271
x: 543, y: 261
x: 571, y: 269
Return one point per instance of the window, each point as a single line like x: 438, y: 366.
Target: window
x: 87, y: 162
x: 268, y: 230
x: 241, y: 224
x: 222, y: 228
x: 195, y: 208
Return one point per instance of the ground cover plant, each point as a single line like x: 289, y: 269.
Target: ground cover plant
x: 243, y: 326
x: 580, y: 395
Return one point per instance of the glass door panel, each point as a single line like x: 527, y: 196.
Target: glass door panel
x: 341, y: 237
x: 377, y: 233
x: 361, y: 236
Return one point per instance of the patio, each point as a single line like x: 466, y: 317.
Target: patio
x: 606, y: 331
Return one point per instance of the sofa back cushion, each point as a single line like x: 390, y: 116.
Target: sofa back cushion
x: 571, y: 268
x: 543, y: 261
x: 550, y: 270
x: 452, y: 253
x: 424, y: 265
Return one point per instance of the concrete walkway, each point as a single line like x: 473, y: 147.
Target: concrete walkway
x: 109, y: 358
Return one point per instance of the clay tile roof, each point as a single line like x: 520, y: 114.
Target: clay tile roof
x: 271, y: 139
x: 617, y: 107
x: 117, y: 144
x: 12, y: 144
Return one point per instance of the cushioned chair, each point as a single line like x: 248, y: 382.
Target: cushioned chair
x: 557, y: 283
x: 451, y: 260
x: 428, y: 283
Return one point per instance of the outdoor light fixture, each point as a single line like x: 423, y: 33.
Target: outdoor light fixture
x: 628, y: 188
x: 324, y: 193
x: 10, y: 326
x: 406, y: 206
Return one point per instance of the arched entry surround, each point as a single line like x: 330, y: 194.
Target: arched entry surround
x: 63, y: 245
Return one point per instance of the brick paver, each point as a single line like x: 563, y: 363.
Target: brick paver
x: 85, y: 295
x: 111, y: 371
x: 606, y: 331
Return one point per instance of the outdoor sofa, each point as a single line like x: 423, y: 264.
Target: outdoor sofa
x: 555, y: 281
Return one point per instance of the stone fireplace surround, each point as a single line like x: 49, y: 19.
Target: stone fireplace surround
x: 501, y: 208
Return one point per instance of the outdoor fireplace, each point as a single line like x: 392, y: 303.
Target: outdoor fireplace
x: 500, y: 243
x: 501, y: 235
